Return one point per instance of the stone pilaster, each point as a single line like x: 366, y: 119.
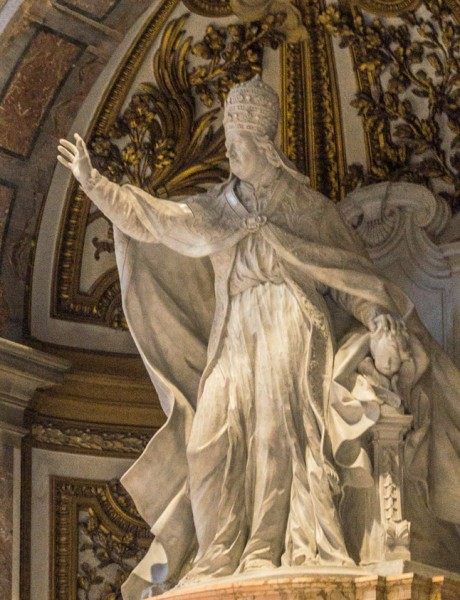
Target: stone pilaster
x: 386, y: 536
x: 22, y: 371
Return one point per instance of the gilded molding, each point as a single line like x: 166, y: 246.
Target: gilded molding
x: 187, y: 152
x: 97, y: 537
x: 94, y: 440
x: 312, y: 136
x: 209, y: 8
x: 295, y: 108
x: 387, y: 8
x: 68, y: 302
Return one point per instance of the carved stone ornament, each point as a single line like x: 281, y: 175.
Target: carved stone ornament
x: 122, y: 443
x: 399, y: 224
x: 254, y: 10
x: 376, y: 212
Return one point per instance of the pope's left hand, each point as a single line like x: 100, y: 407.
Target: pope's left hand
x: 388, y: 322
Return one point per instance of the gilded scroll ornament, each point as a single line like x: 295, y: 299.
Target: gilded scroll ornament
x: 98, y: 538
x: 166, y: 148
x: 411, y: 109
x: 209, y: 8
x: 387, y: 8
x: 160, y: 143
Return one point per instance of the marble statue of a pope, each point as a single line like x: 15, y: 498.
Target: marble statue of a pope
x: 260, y: 431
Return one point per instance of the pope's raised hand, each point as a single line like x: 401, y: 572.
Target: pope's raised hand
x: 76, y: 158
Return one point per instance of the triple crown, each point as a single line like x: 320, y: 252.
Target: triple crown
x: 252, y: 106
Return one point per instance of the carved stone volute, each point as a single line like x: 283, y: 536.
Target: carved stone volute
x: 378, y: 212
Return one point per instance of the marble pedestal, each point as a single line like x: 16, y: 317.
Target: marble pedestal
x: 352, y: 586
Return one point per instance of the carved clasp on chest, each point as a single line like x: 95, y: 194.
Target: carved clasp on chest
x: 254, y: 222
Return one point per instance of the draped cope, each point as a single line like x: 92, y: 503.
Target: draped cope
x: 190, y: 273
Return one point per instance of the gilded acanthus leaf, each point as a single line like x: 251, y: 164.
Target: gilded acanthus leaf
x: 160, y: 142
x: 411, y: 110
x: 107, y: 557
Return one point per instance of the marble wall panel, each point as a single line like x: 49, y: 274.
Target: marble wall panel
x: 32, y: 88
x: 96, y: 9
x: 6, y: 196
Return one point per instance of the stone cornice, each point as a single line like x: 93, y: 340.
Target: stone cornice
x: 23, y: 370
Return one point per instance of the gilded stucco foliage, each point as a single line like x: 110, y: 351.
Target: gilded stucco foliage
x: 101, y: 520
x: 159, y: 142
x: 165, y: 141
x: 411, y: 109
x: 97, y: 577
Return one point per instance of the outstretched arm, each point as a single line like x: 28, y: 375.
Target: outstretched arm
x: 371, y: 315
x: 129, y: 208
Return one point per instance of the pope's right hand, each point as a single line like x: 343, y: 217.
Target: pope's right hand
x: 76, y: 158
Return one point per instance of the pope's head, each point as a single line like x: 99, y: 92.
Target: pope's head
x: 251, y: 121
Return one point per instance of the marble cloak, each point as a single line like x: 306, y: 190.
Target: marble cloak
x: 177, y: 318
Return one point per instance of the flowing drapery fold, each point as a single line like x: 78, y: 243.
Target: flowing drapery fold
x: 178, y: 317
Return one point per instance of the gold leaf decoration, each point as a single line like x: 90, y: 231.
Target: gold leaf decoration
x: 209, y: 8
x: 159, y: 143
x: 165, y: 141
x: 120, y: 443
x: 98, y: 538
x: 326, y: 143
x: 413, y: 119
x: 387, y: 8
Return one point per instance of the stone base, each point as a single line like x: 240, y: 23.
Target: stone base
x: 321, y: 586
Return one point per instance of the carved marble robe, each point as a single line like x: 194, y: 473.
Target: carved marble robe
x: 169, y: 301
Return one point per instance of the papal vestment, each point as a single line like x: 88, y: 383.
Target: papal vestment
x: 237, y: 302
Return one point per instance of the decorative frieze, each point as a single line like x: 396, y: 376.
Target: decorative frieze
x: 94, y: 440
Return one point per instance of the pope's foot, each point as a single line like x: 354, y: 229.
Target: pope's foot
x: 257, y: 564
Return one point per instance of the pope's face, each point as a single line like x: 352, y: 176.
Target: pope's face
x: 247, y: 161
